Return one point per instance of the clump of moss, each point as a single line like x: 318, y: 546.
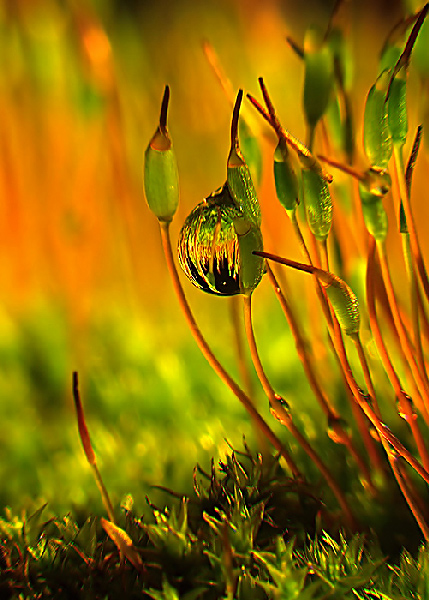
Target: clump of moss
x: 247, y: 532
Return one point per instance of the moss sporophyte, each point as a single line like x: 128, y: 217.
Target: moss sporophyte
x: 365, y: 460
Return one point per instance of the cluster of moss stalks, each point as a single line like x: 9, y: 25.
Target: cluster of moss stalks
x: 286, y: 522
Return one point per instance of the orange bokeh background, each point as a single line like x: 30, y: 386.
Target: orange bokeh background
x: 80, y: 93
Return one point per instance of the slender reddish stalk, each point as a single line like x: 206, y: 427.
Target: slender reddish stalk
x: 366, y: 372
x: 390, y: 370
x: 277, y: 404
x: 414, y: 241
x: 88, y: 449
x: 270, y: 116
x: 393, y: 459
x: 211, y: 358
x: 340, y: 353
x: 405, y: 343
x: 243, y: 367
x: 330, y: 411
x: 381, y: 428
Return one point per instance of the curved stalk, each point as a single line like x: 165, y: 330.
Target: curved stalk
x: 390, y: 370
x: 340, y: 353
x: 414, y: 241
x: 362, y: 401
x: 88, y: 449
x: 324, y: 402
x: 408, y: 351
x: 281, y: 413
x: 414, y: 507
x: 211, y: 358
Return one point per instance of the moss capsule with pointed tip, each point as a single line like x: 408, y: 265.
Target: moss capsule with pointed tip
x: 343, y: 300
x: 285, y: 179
x: 161, y: 177
x: 371, y: 192
x: 241, y: 187
x: 377, y: 140
x: 252, y: 267
x: 374, y: 215
x: 318, y: 76
x: 251, y: 151
x: 238, y: 175
x: 317, y: 203
x: 397, y: 109
x: 420, y: 51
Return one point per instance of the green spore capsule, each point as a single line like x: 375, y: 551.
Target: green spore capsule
x: 209, y: 248
x: 317, y: 203
x: 341, y: 55
x: 397, y: 109
x: 160, y: 173
x: 371, y: 192
x: 251, y: 266
x: 375, y: 217
x: 318, y: 76
x: 420, y: 51
x: 377, y: 140
x: 389, y: 57
x: 285, y: 179
x: 335, y: 123
x: 251, y: 151
x: 239, y: 179
x: 241, y: 187
x: 343, y: 300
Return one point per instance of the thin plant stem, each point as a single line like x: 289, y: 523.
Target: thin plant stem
x: 348, y: 169
x: 414, y: 507
x: 304, y: 154
x: 306, y: 252
x: 214, y: 63
x: 88, y: 449
x: 416, y: 312
x: 366, y: 371
x: 341, y: 355
x: 300, y: 344
x: 382, y: 298
x: 300, y: 237
x: 324, y: 254
x: 243, y: 367
x: 331, y: 320
x: 277, y: 404
x: 417, y: 307
x: 403, y: 399
x: 422, y: 311
x: 211, y: 358
x: 340, y: 350
x: 406, y: 346
x: 381, y: 428
x: 330, y: 411
x: 311, y: 134
x: 414, y: 242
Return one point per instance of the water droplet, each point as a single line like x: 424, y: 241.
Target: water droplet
x: 208, y: 245
x: 278, y: 413
x: 404, y: 406
x: 338, y: 430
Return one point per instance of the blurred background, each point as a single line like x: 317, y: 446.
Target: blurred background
x: 82, y: 277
